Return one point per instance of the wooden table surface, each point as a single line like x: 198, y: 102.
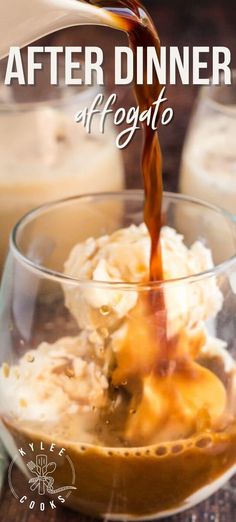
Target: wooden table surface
x: 180, y: 23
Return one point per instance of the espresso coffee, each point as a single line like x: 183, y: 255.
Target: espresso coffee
x: 139, y: 483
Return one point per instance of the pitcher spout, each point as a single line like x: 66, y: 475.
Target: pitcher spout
x: 21, y: 23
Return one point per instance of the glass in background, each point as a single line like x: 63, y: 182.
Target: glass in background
x: 45, y: 154
x: 208, y: 168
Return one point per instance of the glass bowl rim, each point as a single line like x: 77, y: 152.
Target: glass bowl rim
x: 130, y: 286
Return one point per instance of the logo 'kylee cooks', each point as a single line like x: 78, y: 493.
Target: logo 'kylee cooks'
x: 40, y: 466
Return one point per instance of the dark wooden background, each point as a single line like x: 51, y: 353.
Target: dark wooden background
x: 179, y: 23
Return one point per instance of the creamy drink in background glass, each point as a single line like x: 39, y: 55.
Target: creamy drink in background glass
x: 46, y: 155
x: 208, y: 167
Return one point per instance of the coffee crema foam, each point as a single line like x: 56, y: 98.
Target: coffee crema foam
x: 203, y: 464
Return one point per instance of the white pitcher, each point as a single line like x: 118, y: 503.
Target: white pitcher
x: 24, y: 21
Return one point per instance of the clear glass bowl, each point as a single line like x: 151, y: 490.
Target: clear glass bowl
x: 145, y: 433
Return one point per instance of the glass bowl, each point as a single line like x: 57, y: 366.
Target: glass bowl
x: 96, y: 413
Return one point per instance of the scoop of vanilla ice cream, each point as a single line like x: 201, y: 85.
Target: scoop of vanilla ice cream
x: 188, y: 302
x: 55, y: 379
x: 119, y: 258
x: 123, y: 257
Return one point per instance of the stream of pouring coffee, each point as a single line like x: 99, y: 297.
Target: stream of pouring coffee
x: 152, y: 333
x: 136, y: 22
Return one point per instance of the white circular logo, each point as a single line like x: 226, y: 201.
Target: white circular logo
x: 40, y: 466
